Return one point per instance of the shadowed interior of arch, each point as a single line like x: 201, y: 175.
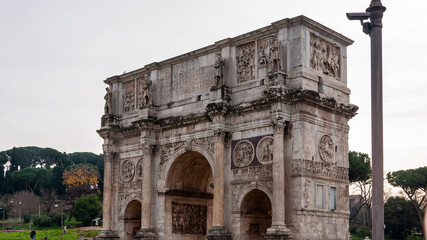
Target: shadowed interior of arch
x: 132, y: 219
x: 255, y: 215
x: 190, y: 172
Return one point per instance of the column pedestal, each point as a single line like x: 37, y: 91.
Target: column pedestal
x: 107, y: 235
x: 146, y: 234
x: 219, y: 233
x: 278, y: 233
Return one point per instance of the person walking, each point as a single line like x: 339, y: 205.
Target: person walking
x: 33, y: 234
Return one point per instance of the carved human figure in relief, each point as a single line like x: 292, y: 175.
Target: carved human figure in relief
x: 324, y: 56
x: 265, y: 150
x: 243, y: 154
x: 219, y: 66
x: 108, y: 102
x: 274, y: 56
x: 146, y: 98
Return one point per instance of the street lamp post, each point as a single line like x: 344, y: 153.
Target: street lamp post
x: 19, y: 219
x: 58, y: 198
x: 1, y: 208
x: 375, y: 13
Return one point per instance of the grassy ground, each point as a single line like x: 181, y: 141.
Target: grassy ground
x: 88, y: 233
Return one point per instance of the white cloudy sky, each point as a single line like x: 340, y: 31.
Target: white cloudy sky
x: 54, y: 56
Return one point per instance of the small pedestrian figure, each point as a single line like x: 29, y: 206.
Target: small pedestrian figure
x: 33, y: 234
x: 65, y: 229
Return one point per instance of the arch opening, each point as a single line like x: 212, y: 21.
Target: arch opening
x: 189, y: 196
x: 132, y: 219
x: 256, y: 215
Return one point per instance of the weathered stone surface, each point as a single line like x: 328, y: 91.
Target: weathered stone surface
x: 243, y: 139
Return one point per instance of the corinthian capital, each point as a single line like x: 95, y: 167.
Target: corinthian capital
x: 278, y: 125
x: 219, y: 136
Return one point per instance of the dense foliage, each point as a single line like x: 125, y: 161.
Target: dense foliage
x: 87, y: 208
x: 413, y: 182
x: 44, y: 175
x: 41, y: 169
x: 400, y: 218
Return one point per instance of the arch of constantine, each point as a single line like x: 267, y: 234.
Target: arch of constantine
x: 244, y: 139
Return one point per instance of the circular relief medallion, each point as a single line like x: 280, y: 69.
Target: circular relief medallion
x: 264, y: 150
x: 127, y: 170
x: 139, y: 169
x: 243, y: 154
x: 326, y: 147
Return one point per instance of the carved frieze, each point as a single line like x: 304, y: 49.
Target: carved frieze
x: 188, y: 219
x: 134, y: 185
x: 319, y: 169
x: 326, y: 148
x: 243, y: 154
x: 253, y: 172
x: 324, y: 56
x: 245, y: 60
x: 127, y: 170
x: 265, y: 150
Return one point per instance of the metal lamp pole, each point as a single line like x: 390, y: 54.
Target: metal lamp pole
x: 375, y: 13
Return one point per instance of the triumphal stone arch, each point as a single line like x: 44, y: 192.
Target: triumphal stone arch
x: 243, y: 139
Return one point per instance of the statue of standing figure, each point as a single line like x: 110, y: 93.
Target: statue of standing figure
x: 219, y: 66
x: 146, y: 98
x: 108, y: 102
x: 274, y: 55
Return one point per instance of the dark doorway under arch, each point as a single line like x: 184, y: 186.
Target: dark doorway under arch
x: 255, y: 215
x: 132, y: 219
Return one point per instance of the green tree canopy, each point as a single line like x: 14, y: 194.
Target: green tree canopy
x: 413, y: 182
x: 87, y: 208
x: 32, y: 179
x: 359, y: 167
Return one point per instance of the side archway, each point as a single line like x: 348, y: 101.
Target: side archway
x: 132, y: 219
x: 256, y: 215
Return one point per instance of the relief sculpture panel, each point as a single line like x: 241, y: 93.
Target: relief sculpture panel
x: 188, y: 219
x: 129, y: 96
x: 265, y: 150
x: 326, y: 148
x: 243, y: 154
x: 269, y: 53
x: 245, y: 60
x: 324, y: 56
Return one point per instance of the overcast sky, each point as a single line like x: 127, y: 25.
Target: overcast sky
x: 54, y: 56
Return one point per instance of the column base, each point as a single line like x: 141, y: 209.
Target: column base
x: 278, y: 233
x: 219, y: 233
x: 147, y: 234
x: 107, y: 235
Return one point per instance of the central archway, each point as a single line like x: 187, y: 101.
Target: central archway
x: 255, y: 215
x: 189, y: 197
x: 132, y: 219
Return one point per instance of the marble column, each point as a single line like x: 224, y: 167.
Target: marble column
x: 218, y: 201
x: 278, y: 229
x: 107, y: 232
x: 146, y: 231
x: 218, y: 230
